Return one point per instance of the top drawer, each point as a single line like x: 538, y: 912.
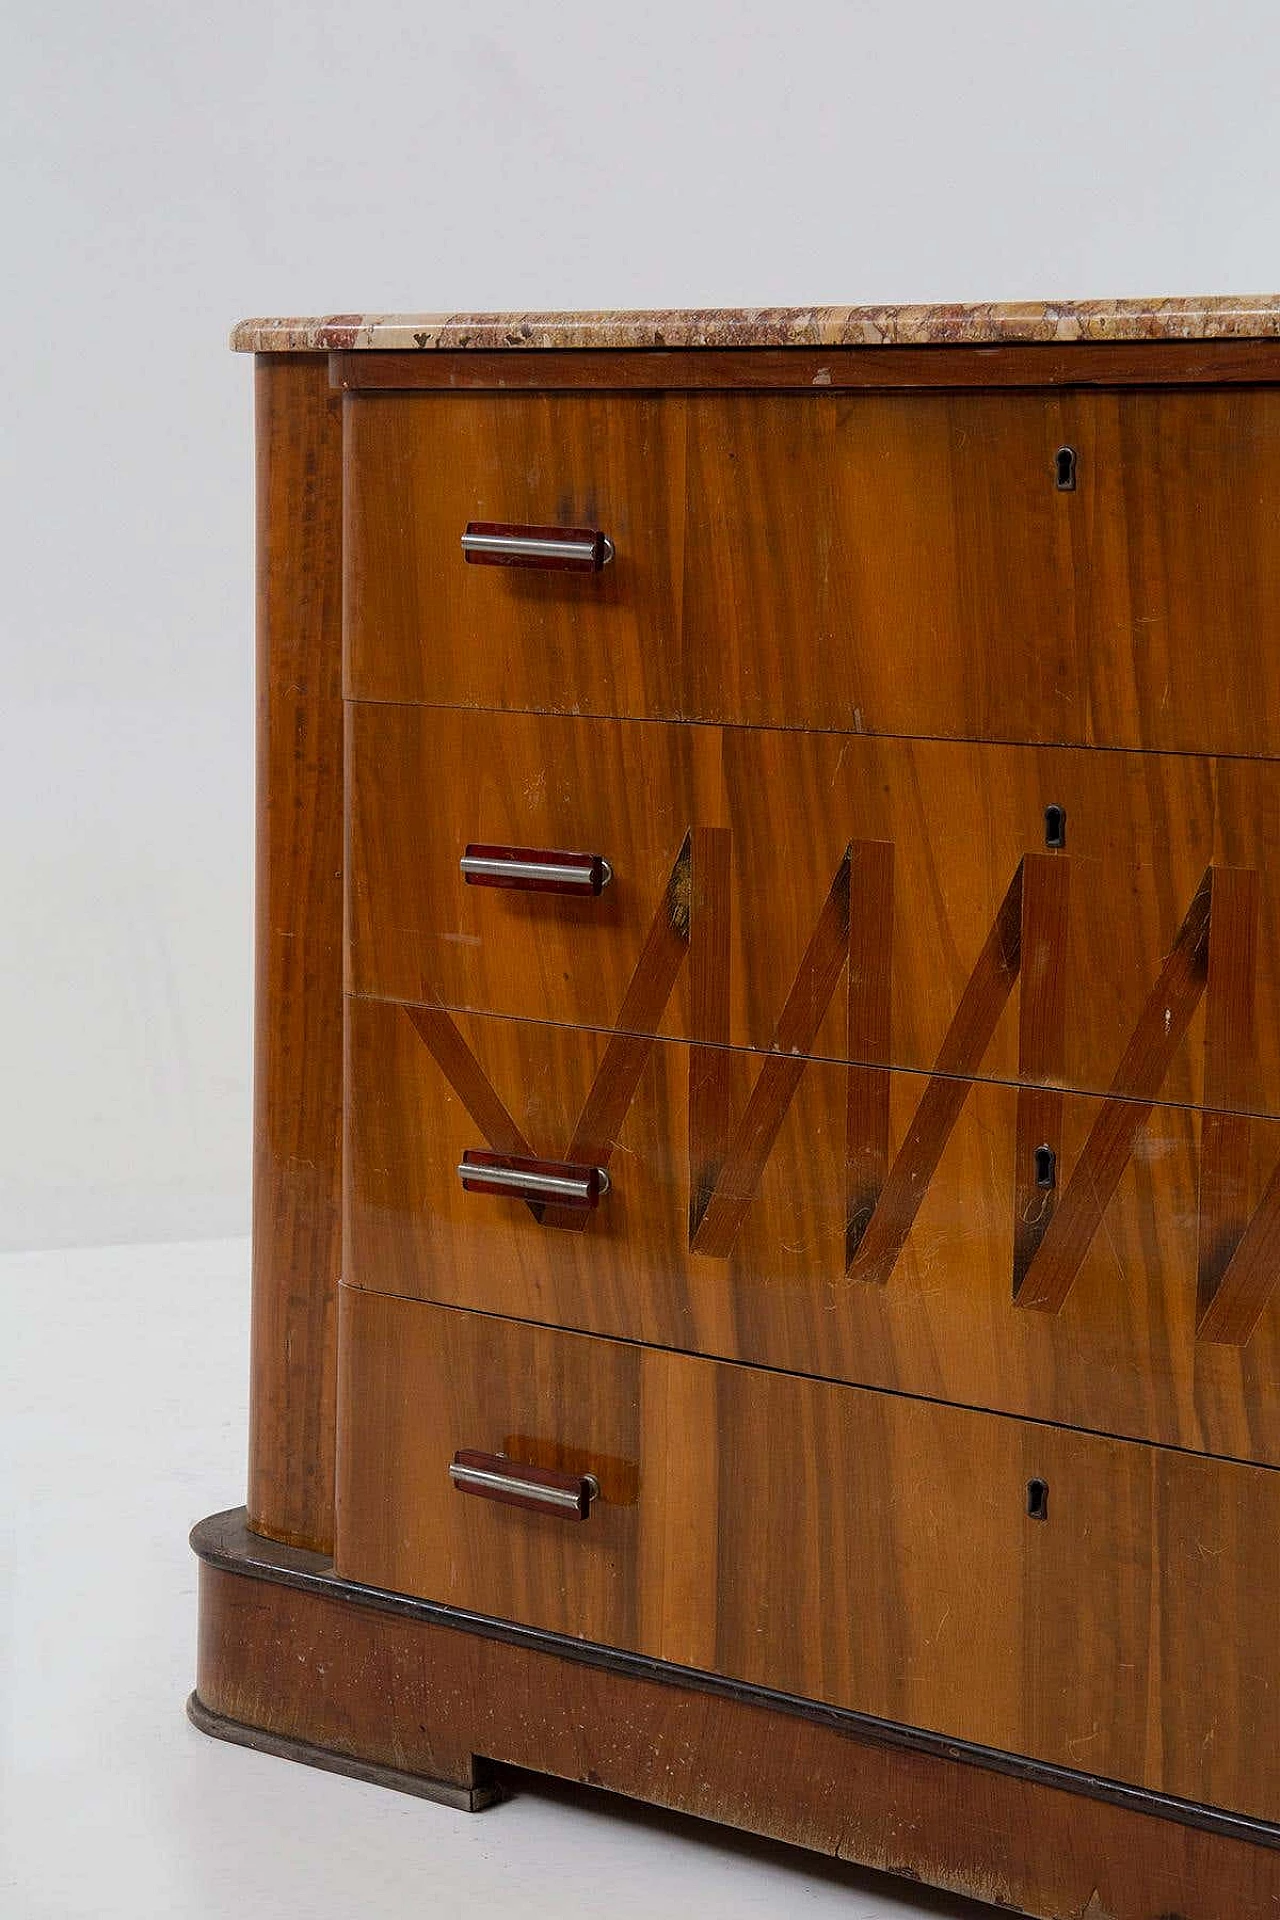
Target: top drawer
x: 888, y: 563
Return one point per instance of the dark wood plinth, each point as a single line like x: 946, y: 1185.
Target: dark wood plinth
x: 297, y: 1662
x: 464, y: 1799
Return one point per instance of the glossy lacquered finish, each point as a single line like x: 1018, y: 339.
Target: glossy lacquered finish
x: 868, y: 1550
x: 743, y: 833
x: 883, y: 563
x: 878, y: 1227
x: 802, y: 1134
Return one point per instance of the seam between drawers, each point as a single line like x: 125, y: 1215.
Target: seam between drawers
x: 824, y: 1379
x: 1100, y: 1094
x: 839, y: 733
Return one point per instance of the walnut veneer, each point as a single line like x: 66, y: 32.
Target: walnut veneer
x: 742, y: 1526
x: 860, y: 1294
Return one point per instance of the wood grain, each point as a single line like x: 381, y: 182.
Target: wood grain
x: 1119, y: 1121
x: 862, y: 1549
x: 405, y: 1692
x: 297, y: 1129
x: 585, y: 639
x: 836, y: 997
x: 711, y: 899
x: 760, y: 369
x: 943, y: 1095
x: 883, y: 563
x: 957, y: 818
x: 1121, y: 1356
x: 1042, y: 1019
x: 750, y: 1142
x: 868, y: 1035
x: 1247, y: 1289
x: 1230, y: 1046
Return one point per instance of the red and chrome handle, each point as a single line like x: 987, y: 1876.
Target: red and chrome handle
x: 494, y: 1476
x: 490, y: 543
x: 535, y: 870
x: 559, y: 1183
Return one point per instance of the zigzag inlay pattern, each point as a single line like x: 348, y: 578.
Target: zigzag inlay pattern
x: 1213, y: 957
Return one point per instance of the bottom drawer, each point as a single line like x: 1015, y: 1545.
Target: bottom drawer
x: 1094, y: 1603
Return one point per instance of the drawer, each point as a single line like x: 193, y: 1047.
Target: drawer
x: 750, y: 867
x: 860, y: 1549
x: 853, y: 1223
x: 883, y: 563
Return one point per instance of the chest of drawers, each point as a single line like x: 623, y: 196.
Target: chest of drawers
x: 767, y: 1176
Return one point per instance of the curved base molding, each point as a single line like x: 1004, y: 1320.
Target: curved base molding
x: 218, y: 1727
x: 295, y: 1662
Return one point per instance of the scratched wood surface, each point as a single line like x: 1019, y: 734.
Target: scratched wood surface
x: 408, y: 1693
x: 863, y: 1225
x: 857, y: 1548
x: 953, y: 820
x: 880, y: 562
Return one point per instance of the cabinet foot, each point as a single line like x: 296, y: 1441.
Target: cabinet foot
x: 465, y: 1799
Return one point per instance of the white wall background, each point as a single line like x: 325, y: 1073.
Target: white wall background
x: 171, y: 167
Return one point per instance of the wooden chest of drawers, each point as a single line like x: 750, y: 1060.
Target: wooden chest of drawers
x: 767, y: 1203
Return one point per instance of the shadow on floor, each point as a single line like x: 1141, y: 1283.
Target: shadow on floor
x: 891, y: 1890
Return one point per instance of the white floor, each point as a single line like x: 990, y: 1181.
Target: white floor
x: 122, y: 1421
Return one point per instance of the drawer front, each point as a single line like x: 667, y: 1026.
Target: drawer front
x: 883, y: 563
x: 757, y: 874
x: 860, y: 1549
x: 849, y: 1222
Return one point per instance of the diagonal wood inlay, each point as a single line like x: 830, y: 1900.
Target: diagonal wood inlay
x: 1214, y: 956
x: 868, y: 1035
x: 630, y: 1044
x: 709, y: 1057
x: 1042, y: 1021
x: 1237, y: 1263
x: 1251, y: 1275
x: 614, y: 1085
x: 825, y: 959
x: 966, y: 1040
x: 469, y: 1080
x: 1123, y: 1114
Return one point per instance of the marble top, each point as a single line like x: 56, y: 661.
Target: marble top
x: 1218, y: 317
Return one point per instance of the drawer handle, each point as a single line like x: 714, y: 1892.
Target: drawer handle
x: 530, y: 870
x: 555, y: 1182
x: 495, y: 1477
x: 488, y: 543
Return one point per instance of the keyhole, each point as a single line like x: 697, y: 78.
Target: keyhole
x: 1046, y: 1167
x: 1055, y: 826
x: 1038, y: 1499
x: 1064, y: 469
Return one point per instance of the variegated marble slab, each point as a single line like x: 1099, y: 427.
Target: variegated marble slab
x: 1220, y: 317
